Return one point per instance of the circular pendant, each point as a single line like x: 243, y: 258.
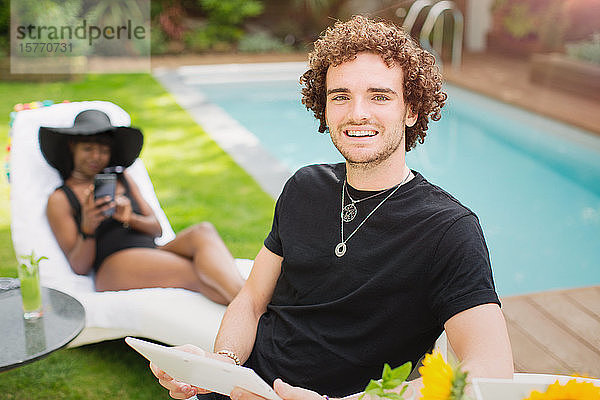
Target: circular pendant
x: 340, y: 249
x: 349, y: 212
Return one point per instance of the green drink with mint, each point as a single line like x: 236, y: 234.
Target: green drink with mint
x: 29, y: 275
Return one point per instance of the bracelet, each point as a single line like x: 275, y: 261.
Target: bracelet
x: 230, y: 354
x: 86, y: 236
x: 125, y: 225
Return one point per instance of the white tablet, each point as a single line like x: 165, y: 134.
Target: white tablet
x: 203, y: 372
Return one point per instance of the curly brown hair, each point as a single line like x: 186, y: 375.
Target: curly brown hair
x: 343, y: 41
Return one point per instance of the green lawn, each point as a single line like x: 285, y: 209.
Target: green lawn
x: 194, y: 181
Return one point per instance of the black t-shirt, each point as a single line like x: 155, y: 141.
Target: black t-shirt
x: 334, y: 321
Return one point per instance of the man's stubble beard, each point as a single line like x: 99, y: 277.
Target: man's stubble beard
x: 389, y: 149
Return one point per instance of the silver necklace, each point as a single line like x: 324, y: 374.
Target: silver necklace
x: 340, y: 249
x: 350, y: 211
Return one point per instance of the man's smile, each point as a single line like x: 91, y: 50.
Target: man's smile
x: 360, y: 132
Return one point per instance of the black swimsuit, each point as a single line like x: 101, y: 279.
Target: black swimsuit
x: 110, y: 235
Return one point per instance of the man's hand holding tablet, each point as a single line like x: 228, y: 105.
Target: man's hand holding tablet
x: 188, y: 370
x: 178, y: 389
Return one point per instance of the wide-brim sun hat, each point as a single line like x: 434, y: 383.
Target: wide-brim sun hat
x: 54, y: 142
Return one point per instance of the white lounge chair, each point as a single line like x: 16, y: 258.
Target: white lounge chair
x: 172, y: 316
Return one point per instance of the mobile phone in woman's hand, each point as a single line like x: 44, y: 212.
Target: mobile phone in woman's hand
x: 105, y: 185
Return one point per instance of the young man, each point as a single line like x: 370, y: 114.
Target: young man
x: 366, y: 262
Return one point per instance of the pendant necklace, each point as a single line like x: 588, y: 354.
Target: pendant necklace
x: 349, y: 211
x: 340, y: 249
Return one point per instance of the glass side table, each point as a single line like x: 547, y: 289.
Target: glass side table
x: 22, y: 341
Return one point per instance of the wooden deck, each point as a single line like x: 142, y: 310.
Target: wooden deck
x: 555, y: 332
x: 507, y: 79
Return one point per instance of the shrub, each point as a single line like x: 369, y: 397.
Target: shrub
x: 4, y: 26
x: 261, y: 42
x: 230, y: 12
x: 550, y: 23
x: 223, y: 28
x: 212, y: 37
x: 158, y: 40
x: 585, y: 50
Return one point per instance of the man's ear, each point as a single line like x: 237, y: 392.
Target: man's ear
x: 411, y: 117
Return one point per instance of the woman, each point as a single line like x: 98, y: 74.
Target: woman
x: 120, y: 248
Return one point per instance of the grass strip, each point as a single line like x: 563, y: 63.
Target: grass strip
x: 195, y: 181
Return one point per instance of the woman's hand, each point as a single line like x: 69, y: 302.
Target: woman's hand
x: 92, y: 211
x: 181, y: 390
x: 123, y: 210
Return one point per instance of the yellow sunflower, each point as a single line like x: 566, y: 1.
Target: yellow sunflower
x: 573, y: 390
x: 440, y: 380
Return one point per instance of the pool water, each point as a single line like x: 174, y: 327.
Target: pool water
x: 534, y: 183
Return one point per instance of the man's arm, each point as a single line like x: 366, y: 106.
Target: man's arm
x: 238, y: 327
x: 480, y: 340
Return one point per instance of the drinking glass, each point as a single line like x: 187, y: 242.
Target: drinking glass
x: 29, y: 275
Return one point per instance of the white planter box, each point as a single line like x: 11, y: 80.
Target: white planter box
x: 520, y: 387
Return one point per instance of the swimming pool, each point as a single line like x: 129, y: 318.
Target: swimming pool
x: 534, y: 183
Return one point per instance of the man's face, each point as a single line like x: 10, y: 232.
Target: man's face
x: 365, y: 110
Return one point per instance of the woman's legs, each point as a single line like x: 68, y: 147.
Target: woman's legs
x: 139, y: 268
x: 213, y: 262
x: 197, y: 259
